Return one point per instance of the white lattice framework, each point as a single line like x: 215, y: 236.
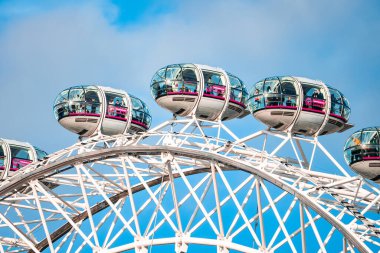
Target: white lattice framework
x: 184, y: 186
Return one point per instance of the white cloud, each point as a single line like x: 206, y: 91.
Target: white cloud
x: 50, y: 50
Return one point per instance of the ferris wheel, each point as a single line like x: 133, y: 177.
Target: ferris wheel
x: 191, y: 184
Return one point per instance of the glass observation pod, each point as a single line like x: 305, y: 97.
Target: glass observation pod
x: 362, y: 152
x: 90, y: 110
x: 209, y: 93
x: 14, y: 155
x: 299, y: 105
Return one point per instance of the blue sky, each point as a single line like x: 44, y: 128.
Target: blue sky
x: 47, y: 46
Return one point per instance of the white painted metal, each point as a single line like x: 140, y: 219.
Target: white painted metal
x: 185, y: 185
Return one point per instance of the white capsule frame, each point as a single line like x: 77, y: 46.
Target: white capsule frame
x: 296, y: 111
x: 101, y: 110
x: 186, y: 92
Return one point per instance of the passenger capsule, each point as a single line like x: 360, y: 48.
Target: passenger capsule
x: 206, y: 92
x: 362, y: 152
x: 14, y: 155
x: 299, y: 105
x: 91, y: 110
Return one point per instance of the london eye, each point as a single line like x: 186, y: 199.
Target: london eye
x: 190, y: 183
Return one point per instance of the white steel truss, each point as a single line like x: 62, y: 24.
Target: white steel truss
x: 186, y: 185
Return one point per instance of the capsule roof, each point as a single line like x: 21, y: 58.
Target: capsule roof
x: 198, y: 90
x: 91, y: 110
x: 299, y: 105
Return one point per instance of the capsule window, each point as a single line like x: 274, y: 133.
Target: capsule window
x: 140, y: 112
x: 20, y: 157
x: 346, y: 109
x: 40, y: 153
x: 77, y: 100
x: 256, y: 98
x: 158, y: 82
x: 313, y: 97
x: 116, y: 108
x: 289, y: 93
x: 336, y: 102
x: 92, y: 102
x: 238, y: 92
x: 61, y: 107
x: 190, y: 80
x: 159, y: 76
x: 214, y: 84
x: 272, y: 86
x: 272, y: 91
x: 62, y: 97
x: 2, y: 157
x: 370, y: 137
x: 18, y: 152
x: 354, y: 140
x: 174, y: 79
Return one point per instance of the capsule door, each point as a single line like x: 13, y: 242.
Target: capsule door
x: 314, y: 109
x: 116, y: 113
x: 215, y: 92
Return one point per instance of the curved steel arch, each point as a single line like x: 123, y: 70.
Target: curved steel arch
x: 136, y: 150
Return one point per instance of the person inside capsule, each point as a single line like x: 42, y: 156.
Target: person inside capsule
x: 313, y: 97
x: 214, y: 86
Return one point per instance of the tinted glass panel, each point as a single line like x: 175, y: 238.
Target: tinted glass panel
x: 370, y: 137
x: 256, y: 100
x: 78, y: 100
x: 61, y: 108
x: 2, y: 157
x: 289, y: 95
x: 238, y: 91
x: 346, y: 109
x: 19, y: 152
x: 62, y: 97
x: 140, y: 112
x: 190, y: 80
x: 40, y: 153
x: 174, y: 79
x: 272, y: 85
x: 336, y: 102
x: 354, y: 140
x: 214, y: 84
x: 234, y: 81
x: 92, y: 101
x: 116, y: 106
x: 313, y: 97
x: 159, y: 76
